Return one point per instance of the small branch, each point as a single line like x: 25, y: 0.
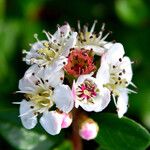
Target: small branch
x: 76, y: 139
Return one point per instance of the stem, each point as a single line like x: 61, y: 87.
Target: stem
x: 76, y: 139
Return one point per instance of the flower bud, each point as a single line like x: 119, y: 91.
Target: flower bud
x: 88, y: 129
x: 67, y: 120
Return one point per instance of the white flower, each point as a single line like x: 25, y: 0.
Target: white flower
x: 92, y: 41
x: 119, y: 70
x: 53, y: 51
x: 43, y: 89
x: 89, y: 93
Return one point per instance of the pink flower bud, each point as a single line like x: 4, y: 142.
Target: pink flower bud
x: 89, y: 129
x: 67, y: 120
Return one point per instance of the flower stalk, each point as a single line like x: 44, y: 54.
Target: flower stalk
x: 75, y: 138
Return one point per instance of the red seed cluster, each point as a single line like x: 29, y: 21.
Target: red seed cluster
x: 80, y: 62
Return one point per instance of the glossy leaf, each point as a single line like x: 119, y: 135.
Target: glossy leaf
x: 121, y: 134
x: 20, y: 138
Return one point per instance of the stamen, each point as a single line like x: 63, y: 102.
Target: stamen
x: 123, y: 71
x: 131, y: 91
x: 47, y: 35
x: 101, y: 31
x: 133, y: 84
x: 24, y: 51
x: 115, y: 102
x: 46, y: 80
x: 36, y: 37
x: 105, y: 36
x: 120, y: 59
x: 93, y: 27
x: 31, y: 107
x: 16, y: 103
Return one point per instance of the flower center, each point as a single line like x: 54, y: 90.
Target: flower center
x: 41, y: 99
x: 80, y: 61
x: 117, y: 79
x: 49, y: 53
x: 89, y: 37
x: 87, y: 91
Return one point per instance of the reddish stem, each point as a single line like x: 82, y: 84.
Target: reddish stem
x: 76, y: 139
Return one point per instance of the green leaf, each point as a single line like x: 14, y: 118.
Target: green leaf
x: 10, y: 115
x: 13, y: 132
x: 66, y: 145
x: 23, y: 139
x: 121, y: 134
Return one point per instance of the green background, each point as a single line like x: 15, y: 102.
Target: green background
x: 129, y: 20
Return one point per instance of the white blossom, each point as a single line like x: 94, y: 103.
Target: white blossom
x: 117, y: 67
x: 89, y: 93
x: 54, y: 50
x: 90, y: 40
x: 43, y: 89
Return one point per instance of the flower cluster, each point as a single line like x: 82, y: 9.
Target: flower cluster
x: 69, y: 70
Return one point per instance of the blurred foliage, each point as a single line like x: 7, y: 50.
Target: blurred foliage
x: 19, y: 20
x: 132, y: 12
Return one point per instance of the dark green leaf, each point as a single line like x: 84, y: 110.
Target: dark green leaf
x: 20, y: 138
x: 24, y: 139
x: 66, y: 145
x: 121, y: 134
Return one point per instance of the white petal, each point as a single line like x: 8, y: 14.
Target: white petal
x: 74, y: 86
x: 108, y: 45
x: 60, y: 63
x: 24, y: 85
x: 27, y: 83
x: 33, y: 69
x: 81, y: 78
x: 103, y: 74
x: 122, y: 104
x: 88, y: 106
x: 104, y: 100
x: 100, y: 102
x: 37, y: 45
x: 65, y: 29
x: 114, y: 53
x: 126, y: 64
x: 28, y: 118
x: 63, y: 98
x: 36, y: 70
x: 32, y: 53
x: 51, y: 122
x: 53, y: 77
x: 77, y: 103
x: 69, y: 44
x: 96, y: 49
